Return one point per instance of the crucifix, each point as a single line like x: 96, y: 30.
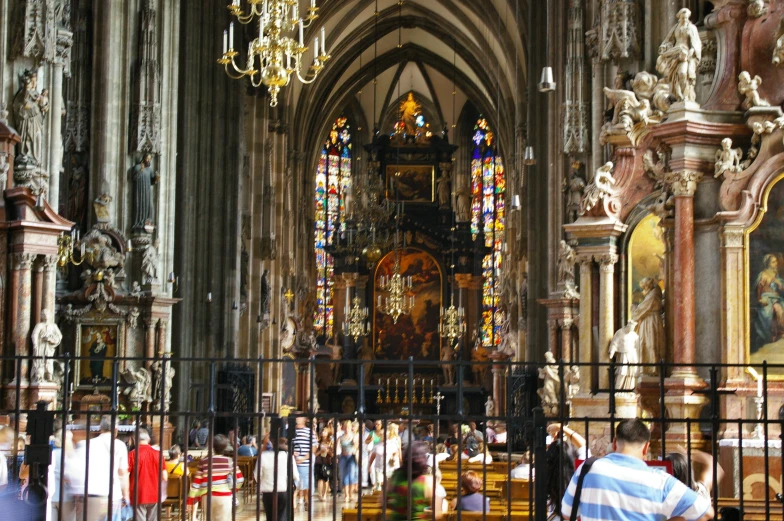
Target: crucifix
x: 438, y: 399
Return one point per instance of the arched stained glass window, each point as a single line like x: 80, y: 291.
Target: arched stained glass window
x: 333, y: 179
x: 488, y: 187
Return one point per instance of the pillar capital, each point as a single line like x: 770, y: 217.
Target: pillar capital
x: 585, y: 260
x: 463, y: 280
x: 607, y: 262
x: 350, y: 279
x: 566, y: 323
x: 22, y: 261
x: 732, y: 237
x: 49, y: 262
x: 684, y: 183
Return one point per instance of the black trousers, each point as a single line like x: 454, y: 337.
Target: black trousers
x: 283, y: 505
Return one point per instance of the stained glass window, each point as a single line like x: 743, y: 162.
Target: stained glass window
x: 488, y: 186
x: 333, y: 179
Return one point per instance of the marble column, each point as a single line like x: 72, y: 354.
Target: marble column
x: 733, y: 331
x: 586, y: 320
x: 149, y: 340
x: 683, y: 187
x: 566, y: 339
x: 22, y: 265
x: 162, y: 348
x: 38, y: 290
x: 606, y: 312
x: 49, y: 263
x: 552, y: 337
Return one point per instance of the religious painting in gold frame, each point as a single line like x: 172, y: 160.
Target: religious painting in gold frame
x: 416, y: 333
x: 645, y: 259
x: 765, y: 282
x: 411, y: 183
x: 98, y: 344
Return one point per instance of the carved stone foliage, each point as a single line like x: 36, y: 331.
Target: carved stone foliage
x: 145, y: 131
x: 576, y: 120
x: 620, y: 34
x: 5, y: 167
x: 36, y: 25
x: 77, y: 90
x: 757, y: 8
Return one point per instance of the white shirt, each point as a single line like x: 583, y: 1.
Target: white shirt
x: 3, y: 470
x: 391, y: 450
x: 265, y: 476
x: 522, y: 471
x: 100, y: 468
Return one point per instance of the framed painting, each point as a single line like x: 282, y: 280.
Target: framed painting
x: 765, y: 279
x: 411, y: 183
x: 646, y: 260
x: 98, y: 344
x: 415, y: 333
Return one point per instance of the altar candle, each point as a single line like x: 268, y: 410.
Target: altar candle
x: 315, y: 49
x: 301, y: 34
x: 323, y: 41
x: 225, y: 41
x: 295, y: 12
x: 379, y: 301
x: 231, y: 35
x: 312, y: 4
x: 81, y: 250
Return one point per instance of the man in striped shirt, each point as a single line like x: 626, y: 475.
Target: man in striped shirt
x: 304, y: 443
x: 622, y: 487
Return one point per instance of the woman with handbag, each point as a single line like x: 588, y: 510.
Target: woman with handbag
x: 323, y: 470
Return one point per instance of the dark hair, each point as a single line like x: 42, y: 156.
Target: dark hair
x: 283, y: 444
x: 417, y: 455
x: 633, y: 431
x: 205, y: 424
x: 560, y: 469
x: 471, y: 482
x: 680, y: 468
x: 219, y: 444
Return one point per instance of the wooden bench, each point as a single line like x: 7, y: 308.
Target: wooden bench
x: 753, y: 509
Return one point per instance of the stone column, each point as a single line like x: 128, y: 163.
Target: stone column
x: 586, y: 320
x: 733, y: 331
x: 64, y: 40
x: 684, y: 185
x: 49, y: 263
x: 38, y: 290
x: 22, y: 264
x: 162, y: 347
x: 606, y: 312
x: 566, y: 339
x: 552, y: 337
x: 149, y: 340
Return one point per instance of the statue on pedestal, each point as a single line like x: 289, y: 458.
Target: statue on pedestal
x: 625, y: 343
x: 728, y: 159
x: 442, y: 189
x: 46, y: 337
x: 138, y: 381
x: 603, y: 185
x: 489, y: 407
x: 463, y: 210
x: 265, y: 294
x: 144, y: 177
x: 447, y: 355
x: 30, y: 107
x: 566, y: 260
x: 151, y: 263
x: 162, y: 384
x: 679, y: 56
x: 409, y: 111
x: 648, y: 315
x: 366, y: 354
x: 573, y: 190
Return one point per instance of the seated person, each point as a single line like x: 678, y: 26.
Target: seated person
x: 174, y: 466
x: 500, y: 433
x: 523, y: 470
x: 472, y: 499
x: 440, y: 455
x: 248, y: 448
x: 440, y: 490
x: 477, y: 452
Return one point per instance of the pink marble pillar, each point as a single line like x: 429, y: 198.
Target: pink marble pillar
x: 38, y: 290
x: 149, y: 340
x: 49, y: 263
x: 566, y: 339
x: 162, y: 348
x: 22, y: 265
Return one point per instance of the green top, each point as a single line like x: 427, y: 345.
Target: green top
x: 398, y: 498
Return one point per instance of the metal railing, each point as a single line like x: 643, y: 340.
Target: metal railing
x: 226, y: 403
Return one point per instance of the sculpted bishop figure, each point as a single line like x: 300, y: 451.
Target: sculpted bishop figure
x: 144, y: 178
x: 46, y: 337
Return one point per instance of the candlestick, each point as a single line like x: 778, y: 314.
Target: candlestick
x: 379, y: 396
x: 225, y: 41
x: 405, y: 390
x: 388, y: 391
x: 323, y: 41
x: 396, y: 399
x: 414, y: 392
x: 431, y: 390
x: 424, y: 391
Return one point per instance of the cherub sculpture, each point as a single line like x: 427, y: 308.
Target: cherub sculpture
x: 728, y: 159
x: 749, y: 87
x: 138, y: 381
x: 603, y: 185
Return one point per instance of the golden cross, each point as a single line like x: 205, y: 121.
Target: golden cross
x: 289, y: 295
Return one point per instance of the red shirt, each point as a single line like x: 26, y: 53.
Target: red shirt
x: 151, y: 465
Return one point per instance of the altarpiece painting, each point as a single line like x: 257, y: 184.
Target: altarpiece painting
x: 99, y: 343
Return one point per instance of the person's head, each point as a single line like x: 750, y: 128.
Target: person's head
x: 379, y: 425
x: 393, y: 429
x: 65, y: 442
x: 632, y: 438
x: 471, y: 482
x: 560, y: 469
x: 680, y: 468
x: 283, y: 444
x: 770, y: 261
x: 205, y: 424
x: 219, y: 444
x: 301, y: 421
x: 144, y: 437
x: 440, y: 448
x: 430, y: 429
x: 369, y: 425
x: 416, y: 456
x: 472, y: 426
x: 175, y: 452
x: 106, y: 423
x: 348, y: 426
x: 525, y: 459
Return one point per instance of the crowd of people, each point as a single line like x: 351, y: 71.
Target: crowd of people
x: 400, y: 459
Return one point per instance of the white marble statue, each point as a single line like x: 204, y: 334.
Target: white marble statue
x: 679, y: 57
x: 442, y: 189
x: 138, y: 385
x: 550, y: 388
x: 756, y: 8
x: 159, y: 378
x: 728, y: 159
x: 489, y: 407
x: 46, y: 337
x: 603, y: 185
x: 748, y: 87
x: 570, y: 290
x: 151, y: 263
x: 447, y: 354
x: 625, y: 344
x: 648, y: 315
x: 30, y: 107
x: 463, y: 210
x: 566, y: 260
x: 573, y: 381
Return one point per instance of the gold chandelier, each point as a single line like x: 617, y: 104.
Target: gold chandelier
x: 65, y: 249
x: 452, y: 324
x: 279, y: 56
x: 356, y: 324
x: 397, y: 302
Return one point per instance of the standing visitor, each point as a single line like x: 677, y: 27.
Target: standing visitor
x: 225, y: 480
x: 147, y: 472
x: 271, y: 481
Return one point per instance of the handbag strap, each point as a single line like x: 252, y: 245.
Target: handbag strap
x: 577, y: 493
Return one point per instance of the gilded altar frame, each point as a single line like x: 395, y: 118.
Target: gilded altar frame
x: 420, y: 182
x: 112, y: 334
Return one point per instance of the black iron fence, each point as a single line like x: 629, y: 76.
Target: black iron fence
x: 489, y: 419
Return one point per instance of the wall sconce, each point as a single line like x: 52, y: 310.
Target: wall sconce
x: 515, y: 202
x: 174, y: 281
x: 528, y: 157
x: 209, y: 297
x: 547, y: 84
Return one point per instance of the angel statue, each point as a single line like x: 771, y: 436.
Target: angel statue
x: 748, y: 87
x: 138, y: 381
x: 728, y: 159
x: 679, y: 57
x: 603, y: 185
x: 627, y: 110
x: 566, y: 261
x: 552, y: 383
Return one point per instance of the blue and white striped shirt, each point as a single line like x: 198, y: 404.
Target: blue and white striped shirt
x: 624, y: 488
